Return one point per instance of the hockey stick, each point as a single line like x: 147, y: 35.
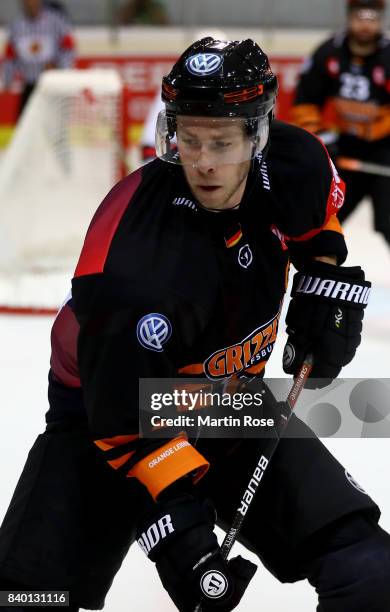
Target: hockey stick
x: 356, y: 165
x: 266, y: 456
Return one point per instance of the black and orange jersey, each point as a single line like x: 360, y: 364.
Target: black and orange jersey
x: 164, y: 288
x: 354, y: 91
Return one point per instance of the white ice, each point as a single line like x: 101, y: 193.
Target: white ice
x: 24, y: 358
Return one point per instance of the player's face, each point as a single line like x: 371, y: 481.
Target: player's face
x: 215, y: 158
x: 32, y: 7
x: 365, y: 25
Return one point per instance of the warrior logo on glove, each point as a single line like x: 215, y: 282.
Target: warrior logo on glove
x: 325, y: 318
x: 288, y: 355
x: 213, y: 584
x: 330, y: 288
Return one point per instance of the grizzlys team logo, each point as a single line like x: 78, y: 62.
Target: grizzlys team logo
x: 245, y: 355
x: 153, y: 331
x: 204, y: 63
x: 245, y: 256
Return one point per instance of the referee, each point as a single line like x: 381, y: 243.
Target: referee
x: 39, y: 39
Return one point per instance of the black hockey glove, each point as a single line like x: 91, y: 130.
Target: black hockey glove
x: 325, y: 318
x: 179, y: 537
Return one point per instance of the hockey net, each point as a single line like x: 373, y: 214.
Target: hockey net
x: 63, y: 159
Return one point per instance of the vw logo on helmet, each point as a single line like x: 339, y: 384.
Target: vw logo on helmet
x: 153, y: 331
x: 204, y: 63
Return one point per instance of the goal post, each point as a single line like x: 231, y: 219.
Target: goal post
x: 65, y: 156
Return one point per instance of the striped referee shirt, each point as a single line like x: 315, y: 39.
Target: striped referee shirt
x: 36, y: 44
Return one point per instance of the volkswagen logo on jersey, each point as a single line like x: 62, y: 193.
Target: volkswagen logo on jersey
x: 213, y: 584
x: 204, y: 63
x: 245, y: 256
x: 153, y: 331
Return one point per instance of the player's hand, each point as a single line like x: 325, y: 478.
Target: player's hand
x: 179, y: 537
x: 325, y: 318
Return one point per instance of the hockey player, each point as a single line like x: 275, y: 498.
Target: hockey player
x: 39, y: 39
x: 351, y: 71
x: 182, y: 273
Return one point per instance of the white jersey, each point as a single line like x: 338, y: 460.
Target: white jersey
x: 36, y: 44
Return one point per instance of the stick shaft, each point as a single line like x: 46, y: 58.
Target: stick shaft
x: 267, y: 454
x: 265, y: 458
x: 357, y: 165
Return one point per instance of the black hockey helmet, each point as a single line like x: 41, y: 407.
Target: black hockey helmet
x: 374, y: 5
x: 221, y: 78
x: 218, y: 79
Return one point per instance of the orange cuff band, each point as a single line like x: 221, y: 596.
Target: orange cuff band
x: 169, y: 463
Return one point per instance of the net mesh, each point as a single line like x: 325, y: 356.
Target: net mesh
x: 64, y: 158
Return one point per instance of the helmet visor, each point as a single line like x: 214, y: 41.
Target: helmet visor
x: 193, y: 141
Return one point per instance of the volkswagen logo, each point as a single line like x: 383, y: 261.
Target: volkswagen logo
x: 153, y: 331
x: 204, y: 63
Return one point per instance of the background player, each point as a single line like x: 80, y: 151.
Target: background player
x: 39, y: 39
x: 351, y: 71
